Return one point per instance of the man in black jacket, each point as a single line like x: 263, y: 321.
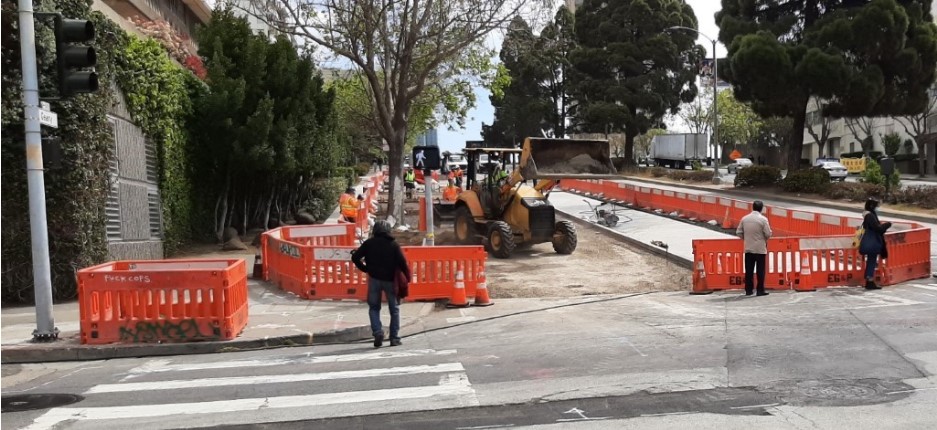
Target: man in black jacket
x: 382, y: 258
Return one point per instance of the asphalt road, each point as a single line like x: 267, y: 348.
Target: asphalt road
x: 837, y: 358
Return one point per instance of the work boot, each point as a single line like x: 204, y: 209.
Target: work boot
x: 378, y: 340
x: 395, y: 341
x: 762, y: 293
x: 870, y: 285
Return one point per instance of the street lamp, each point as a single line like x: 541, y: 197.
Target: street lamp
x: 715, y: 78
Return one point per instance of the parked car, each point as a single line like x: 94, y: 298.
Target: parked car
x: 837, y: 171
x: 739, y: 164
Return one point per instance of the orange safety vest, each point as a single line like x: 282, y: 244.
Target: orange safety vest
x: 349, y: 205
x: 450, y: 194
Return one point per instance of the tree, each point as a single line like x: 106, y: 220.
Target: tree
x: 402, y: 49
x: 739, y: 125
x: 556, y: 42
x: 642, y: 143
x: 521, y: 105
x: 916, y: 126
x: 861, y: 129
x: 698, y: 114
x: 630, y: 71
x: 867, y: 58
x: 818, y: 125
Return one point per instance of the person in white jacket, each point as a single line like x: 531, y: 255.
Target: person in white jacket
x: 755, y: 230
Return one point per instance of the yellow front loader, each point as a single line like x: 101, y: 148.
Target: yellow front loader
x: 504, y: 211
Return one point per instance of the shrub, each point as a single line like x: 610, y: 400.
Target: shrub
x: 921, y: 196
x: 691, y: 175
x: 758, y: 176
x: 892, y: 143
x: 658, y: 172
x: 696, y: 165
x: 873, y: 175
x: 856, y: 192
x: 362, y: 169
x: 813, y: 180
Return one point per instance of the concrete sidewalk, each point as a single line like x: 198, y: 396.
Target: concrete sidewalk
x: 276, y: 319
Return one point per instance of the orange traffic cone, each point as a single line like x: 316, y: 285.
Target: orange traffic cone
x: 700, y: 286
x: 481, y: 292
x: 458, y: 299
x: 726, y: 222
x: 804, y: 281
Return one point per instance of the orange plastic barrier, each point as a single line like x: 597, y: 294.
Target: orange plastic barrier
x: 162, y: 301
x: 809, y: 250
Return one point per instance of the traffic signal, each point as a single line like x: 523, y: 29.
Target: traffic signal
x: 71, y: 57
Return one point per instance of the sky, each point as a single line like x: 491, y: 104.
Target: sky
x: 454, y: 140
x: 452, y: 137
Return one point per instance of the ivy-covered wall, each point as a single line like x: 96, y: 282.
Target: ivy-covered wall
x: 157, y: 94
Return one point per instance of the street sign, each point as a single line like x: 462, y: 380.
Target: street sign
x: 48, y: 118
x: 426, y: 157
x: 45, y: 106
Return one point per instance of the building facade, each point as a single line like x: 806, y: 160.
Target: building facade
x: 429, y: 138
x: 133, y: 208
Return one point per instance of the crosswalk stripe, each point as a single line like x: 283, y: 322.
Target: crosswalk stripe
x: 449, y: 385
x: 158, y: 366
x: 273, y: 379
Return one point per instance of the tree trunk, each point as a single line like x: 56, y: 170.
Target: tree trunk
x: 395, y: 198
x: 921, y: 157
x: 629, y: 150
x: 244, y: 217
x: 223, y: 222
x: 266, y: 219
x: 215, y: 216
x: 796, y: 146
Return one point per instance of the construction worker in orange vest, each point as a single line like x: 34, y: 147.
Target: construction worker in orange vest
x: 349, y: 205
x: 456, y: 175
x: 451, y: 193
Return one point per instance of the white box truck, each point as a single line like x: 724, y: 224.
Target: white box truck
x: 678, y: 150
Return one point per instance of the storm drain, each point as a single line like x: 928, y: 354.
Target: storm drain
x: 29, y: 402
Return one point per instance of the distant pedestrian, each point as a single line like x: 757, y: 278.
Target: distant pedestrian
x: 872, y: 245
x: 756, y: 231
x: 381, y: 258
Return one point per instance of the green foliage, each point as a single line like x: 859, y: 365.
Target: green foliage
x: 75, y: 192
x: 265, y: 128
x: 690, y: 175
x: 814, y: 180
x: 324, y: 194
x: 629, y: 71
x: 642, y: 143
x: 157, y: 97
x: 874, y: 58
x: 758, y: 176
x: 873, y: 175
x: 696, y: 165
x: 738, y: 123
x: 892, y: 143
x: 853, y: 191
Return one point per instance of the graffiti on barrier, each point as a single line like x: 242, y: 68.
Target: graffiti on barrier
x: 122, y: 278
x: 164, y: 331
x: 291, y: 250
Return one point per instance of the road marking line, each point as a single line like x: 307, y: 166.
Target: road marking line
x: 932, y: 287
x: 158, y: 366
x: 449, y: 386
x: 273, y: 379
x: 460, y: 319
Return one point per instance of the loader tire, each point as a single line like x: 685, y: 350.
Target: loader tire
x: 465, y: 231
x: 500, y: 241
x: 564, y: 238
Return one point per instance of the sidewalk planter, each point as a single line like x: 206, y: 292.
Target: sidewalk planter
x: 161, y: 301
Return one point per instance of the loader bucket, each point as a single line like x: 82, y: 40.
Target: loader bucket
x: 566, y: 159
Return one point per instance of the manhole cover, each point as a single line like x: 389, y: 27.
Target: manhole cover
x: 28, y: 402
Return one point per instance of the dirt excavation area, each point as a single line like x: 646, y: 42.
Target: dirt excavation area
x: 600, y: 265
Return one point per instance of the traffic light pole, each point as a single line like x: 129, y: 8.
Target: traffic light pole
x: 42, y: 272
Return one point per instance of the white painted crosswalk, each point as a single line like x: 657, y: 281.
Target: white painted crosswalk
x: 167, y: 394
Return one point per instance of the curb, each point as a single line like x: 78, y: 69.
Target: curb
x: 47, y: 352
x: 682, y: 262
x: 784, y: 199
x: 50, y: 352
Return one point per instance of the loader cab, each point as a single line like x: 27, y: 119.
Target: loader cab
x: 483, y: 165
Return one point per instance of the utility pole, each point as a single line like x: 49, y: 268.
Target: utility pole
x: 42, y: 271
x: 715, y: 78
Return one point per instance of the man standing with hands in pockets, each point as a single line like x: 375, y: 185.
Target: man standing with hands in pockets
x: 755, y: 231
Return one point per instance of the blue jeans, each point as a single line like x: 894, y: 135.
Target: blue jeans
x: 375, y: 287
x: 871, y: 263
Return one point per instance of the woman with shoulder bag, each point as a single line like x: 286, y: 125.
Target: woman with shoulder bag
x: 872, y: 245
